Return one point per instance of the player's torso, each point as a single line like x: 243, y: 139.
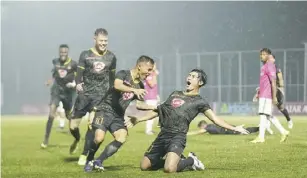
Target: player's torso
x: 179, y: 110
x: 152, y: 92
x: 265, y: 89
x: 64, y: 72
x: 121, y: 100
x: 96, y: 76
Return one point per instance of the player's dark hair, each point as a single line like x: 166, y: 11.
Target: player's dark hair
x: 101, y: 31
x: 63, y: 46
x: 202, y: 122
x: 144, y: 58
x: 202, y: 75
x: 267, y: 50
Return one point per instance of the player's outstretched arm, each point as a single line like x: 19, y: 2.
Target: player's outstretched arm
x: 132, y: 121
x: 220, y: 122
x: 141, y: 105
x: 198, y: 132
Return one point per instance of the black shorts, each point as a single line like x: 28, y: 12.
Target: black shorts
x: 165, y: 142
x: 280, y: 97
x: 67, y: 100
x: 107, y: 120
x: 84, y: 104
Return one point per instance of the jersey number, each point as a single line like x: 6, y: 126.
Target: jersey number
x: 98, y: 120
x: 62, y: 73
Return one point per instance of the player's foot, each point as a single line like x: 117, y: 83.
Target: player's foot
x: 268, y: 129
x: 43, y: 145
x: 290, y: 124
x: 73, y: 147
x: 284, y: 136
x: 82, y: 160
x: 88, y: 167
x: 258, y: 140
x: 97, y: 165
x: 198, y: 165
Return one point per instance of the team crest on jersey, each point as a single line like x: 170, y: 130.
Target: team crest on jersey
x: 177, y: 102
x: 98, y: 66
x: 62, y: 73
x: 128, y: 95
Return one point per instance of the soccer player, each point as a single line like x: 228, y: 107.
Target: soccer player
x: 175, y: 115
x: 95, y: 77
x: 128, y: 86
x: 267, y: 97
x: 214, y: 129
x: 63, y: 87
x: 151, y: 98
x: 280, y: 93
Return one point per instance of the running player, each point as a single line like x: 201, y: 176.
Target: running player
x: 267, y: 97
x: 95, y: 77
x: 128, y: 86
x: 175, y: 115
x: 63, y: 87
x: 214, y: 129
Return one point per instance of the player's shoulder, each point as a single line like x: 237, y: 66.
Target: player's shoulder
x: 73, y: 62
x: 110, y: 53
x: 55, y: 60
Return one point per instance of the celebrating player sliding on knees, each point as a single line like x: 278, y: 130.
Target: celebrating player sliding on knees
x: 175, y: 115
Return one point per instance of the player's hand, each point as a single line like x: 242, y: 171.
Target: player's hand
x: 71, y: 84
x: 131, y: 121
x: 275, y: 102
x: 140, y: 93
x: 49, y: 82
x: 255, y: 99
x: 241, y: 130
x: 79, y: 87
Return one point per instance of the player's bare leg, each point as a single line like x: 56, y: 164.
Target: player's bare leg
x: 94, y: 146
x: 74, y: 129
x: 120, y: 137
x: 51, y: 117
x: 175, y: 163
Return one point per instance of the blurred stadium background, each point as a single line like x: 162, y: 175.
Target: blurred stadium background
x: 214, y: 36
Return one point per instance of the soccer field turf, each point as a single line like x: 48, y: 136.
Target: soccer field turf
x: 223, y: 155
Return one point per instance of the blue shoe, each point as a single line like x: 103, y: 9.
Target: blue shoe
x: 88, y: 167
x: 97, y: 165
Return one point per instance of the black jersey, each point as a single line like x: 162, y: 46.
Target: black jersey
x: 63, y: 73
x: 278, y: 70
x: 177, y: 112
x: 97, y: 73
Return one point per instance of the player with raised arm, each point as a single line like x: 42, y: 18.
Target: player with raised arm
x: 267, y: 97
x: 95, y: 78
x: 62, y: 89
x: 175, y: 115
x: 128, y: 86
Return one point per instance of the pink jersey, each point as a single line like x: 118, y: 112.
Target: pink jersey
x: 268, y: 73
x: 152, y: 92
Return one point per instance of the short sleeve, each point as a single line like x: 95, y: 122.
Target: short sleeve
x: 203, y: 105
x: 271, y: 70
x: 82, y: 59
x: 121, y: 75
x: 113, y: 64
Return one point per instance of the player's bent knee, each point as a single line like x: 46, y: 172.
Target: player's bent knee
x: 121, y: 135
x: 170, y: 168
x: 145, y: 164
x: 99, y: 136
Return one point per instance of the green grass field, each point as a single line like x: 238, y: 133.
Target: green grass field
x: 223, y: 156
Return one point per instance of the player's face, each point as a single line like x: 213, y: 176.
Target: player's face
x: 264, y: 56
x: 193, y: 81
x: 63, y: 54
x: 101, y: 42
x: 145, y: 68
x: 271, y: 58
